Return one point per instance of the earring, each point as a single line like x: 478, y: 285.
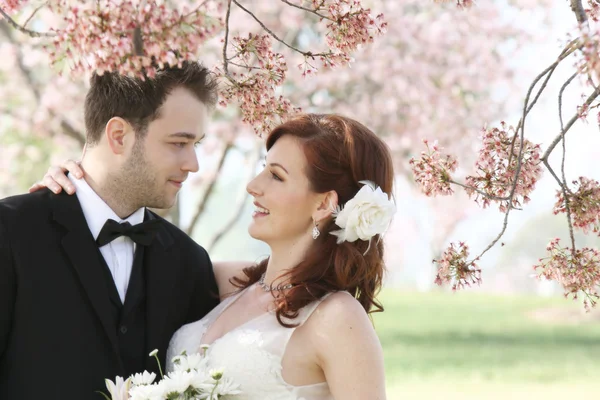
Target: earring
x: 316, y: 232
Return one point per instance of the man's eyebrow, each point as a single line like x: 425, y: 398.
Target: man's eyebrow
x: 186, y: 135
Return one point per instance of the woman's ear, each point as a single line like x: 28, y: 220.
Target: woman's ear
x: 328, y: 203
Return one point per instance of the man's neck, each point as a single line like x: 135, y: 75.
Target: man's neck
x: 97, y: 179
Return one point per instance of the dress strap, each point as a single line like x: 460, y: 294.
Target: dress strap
x: 307, y: 310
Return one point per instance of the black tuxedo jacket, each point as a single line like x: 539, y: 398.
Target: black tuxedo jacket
x: 56, y: 336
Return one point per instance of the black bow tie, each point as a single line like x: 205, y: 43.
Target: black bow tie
x: 141, y: 233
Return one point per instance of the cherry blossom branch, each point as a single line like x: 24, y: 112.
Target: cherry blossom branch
x: 481, y: 192
x: 546, y: 163
x: 225, y: 43
x: 521, y: 132
x: 569, y: 124
x: 34, y: 12
x: 244, y: 66
x: 240, y: 206
x: 308, y: 10
x: 569, y: 49
x: 241, y: 203
x: 564, y: 187
x: 579, y: 11
x: 274, y: 36
x: 22, y: 29
x: 69, y: 130
x: 210, y: 188
x: 4, y: 111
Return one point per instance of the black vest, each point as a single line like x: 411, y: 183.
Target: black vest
x: 129, y: 319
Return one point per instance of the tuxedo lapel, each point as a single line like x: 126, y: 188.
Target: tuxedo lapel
x: 160, y: 265
x: 81, y: 249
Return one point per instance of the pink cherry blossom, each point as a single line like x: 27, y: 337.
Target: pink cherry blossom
x: 459, y: 3
x: 496, y: 169
x: 433, y: 171
x: 584, y: 204
x: 577, y: 271
x: 131, y: 37
x: 455, y: 268
x: 11, y: 6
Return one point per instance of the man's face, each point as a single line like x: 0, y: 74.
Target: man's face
x: 162, y: 160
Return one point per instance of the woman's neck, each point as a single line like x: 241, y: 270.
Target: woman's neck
x: 284, y: 257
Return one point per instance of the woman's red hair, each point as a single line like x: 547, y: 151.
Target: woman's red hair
x: 340, y: 152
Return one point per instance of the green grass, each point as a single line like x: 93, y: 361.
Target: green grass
x: 475, y: 346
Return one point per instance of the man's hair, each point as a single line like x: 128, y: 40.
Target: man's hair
x: 138, y: 100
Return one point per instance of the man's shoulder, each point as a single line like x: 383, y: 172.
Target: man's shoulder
x: 25, y: 204
x: 179, y: 236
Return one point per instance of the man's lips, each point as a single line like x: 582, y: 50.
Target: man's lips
x: 177, y: 183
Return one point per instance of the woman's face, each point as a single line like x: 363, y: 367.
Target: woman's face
x: 282, y: 195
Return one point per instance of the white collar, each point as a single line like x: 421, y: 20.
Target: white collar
x: 96, y: 211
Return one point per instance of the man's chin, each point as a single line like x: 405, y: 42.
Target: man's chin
x: 164, y: 204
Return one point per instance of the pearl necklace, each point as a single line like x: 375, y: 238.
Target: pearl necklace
x: 267, y: 288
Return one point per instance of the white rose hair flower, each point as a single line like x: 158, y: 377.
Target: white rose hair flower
x: 367, y: 214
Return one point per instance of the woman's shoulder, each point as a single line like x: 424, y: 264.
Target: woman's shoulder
x: 341, y: 301
x: 338, y: 312
x: 339, y: 323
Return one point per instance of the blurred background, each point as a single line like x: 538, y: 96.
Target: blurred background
x: 439, y: 73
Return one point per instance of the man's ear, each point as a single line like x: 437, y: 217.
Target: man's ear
x: 327, y: 205
x: 118, y: 133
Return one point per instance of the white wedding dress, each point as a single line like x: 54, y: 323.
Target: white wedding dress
x: 251, y: 354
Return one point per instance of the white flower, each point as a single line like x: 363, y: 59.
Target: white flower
x: 367, y: 214
x: 153, y: 353
x: 224, y: 387
x: 202, y: 381
x: 154, y: 391
x: 118, y: 389
x: 216, y: 374
x: 146, y: 378
x: 178, y: 381
x: 190, y: 362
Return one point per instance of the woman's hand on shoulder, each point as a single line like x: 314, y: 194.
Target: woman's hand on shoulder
x: 224, y: 271
x: 348, y: 349
x: 56, y: 178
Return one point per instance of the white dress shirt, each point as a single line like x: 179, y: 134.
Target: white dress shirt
x: 119, y: 253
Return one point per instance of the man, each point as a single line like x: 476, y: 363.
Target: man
x: 91, y: 284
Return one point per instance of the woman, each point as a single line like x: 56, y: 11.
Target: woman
x: 296, y: 325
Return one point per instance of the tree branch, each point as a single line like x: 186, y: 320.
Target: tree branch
x: 243, y: 66
x: 521, y: 128
x: 69, y: 130
x: 308, y: 10
x: 20, y: 64
x: 138, y: 42
x: 270, y: 32
x: 467, y: 187
x: 23, y: 29
x: 569, y: 49
x: 570, y: 123
x: 227, y: 14
x: 579, y: 11
x: 34, y: 12
x: 564, y: 186
x: 210, y: 189
x: 241, y: 203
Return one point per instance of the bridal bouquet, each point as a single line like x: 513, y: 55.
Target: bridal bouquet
x: 191, y: 379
